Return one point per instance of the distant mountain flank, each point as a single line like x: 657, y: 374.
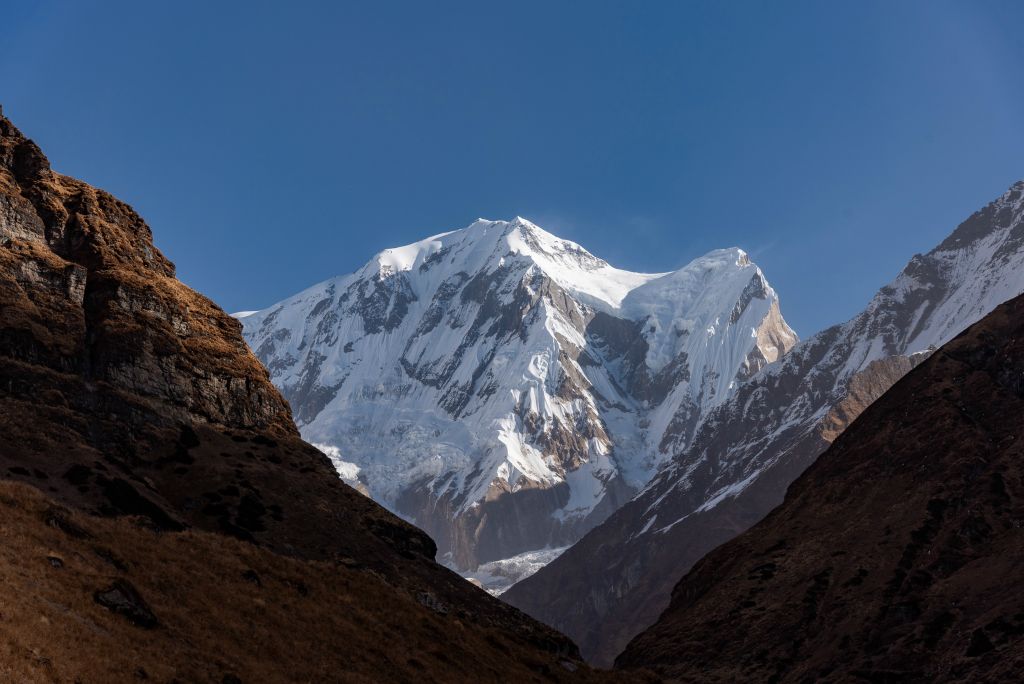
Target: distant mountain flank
x: 507, y: 390
x: 616, y: 580
x: 895, y: 557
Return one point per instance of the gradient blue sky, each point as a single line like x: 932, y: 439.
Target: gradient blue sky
x: 273, y: 145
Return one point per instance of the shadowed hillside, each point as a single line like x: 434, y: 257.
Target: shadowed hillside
x: 895, y: 557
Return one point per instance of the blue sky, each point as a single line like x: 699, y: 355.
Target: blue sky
x: 273, y: 145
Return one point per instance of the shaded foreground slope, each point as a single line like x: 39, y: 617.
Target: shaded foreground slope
x: 124, y: 393
x: 896, y: 556
x: 210, y: 609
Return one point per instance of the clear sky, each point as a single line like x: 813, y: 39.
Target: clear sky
x: 273, y: 145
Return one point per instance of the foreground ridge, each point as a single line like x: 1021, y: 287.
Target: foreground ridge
x: 895, y: 556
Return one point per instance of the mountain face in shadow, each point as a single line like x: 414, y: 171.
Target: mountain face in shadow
x: 896, y: 556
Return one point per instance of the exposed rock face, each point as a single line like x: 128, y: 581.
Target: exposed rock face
x: 895, y: 557
x: 125, y: 393
x: 122, y: 598
x: 504, y: 388
x: 617, y: 579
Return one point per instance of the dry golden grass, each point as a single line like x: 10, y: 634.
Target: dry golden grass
x: 225, y: 608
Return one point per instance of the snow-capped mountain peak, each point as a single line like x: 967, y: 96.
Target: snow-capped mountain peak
x: 505, y: 388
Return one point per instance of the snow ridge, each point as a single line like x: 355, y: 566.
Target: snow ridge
x: 934, y: 298
x: 501, y: 361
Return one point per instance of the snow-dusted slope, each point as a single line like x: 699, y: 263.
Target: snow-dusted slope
x: 617, y: 579
x: 504, y: 388
x: 935, y: 297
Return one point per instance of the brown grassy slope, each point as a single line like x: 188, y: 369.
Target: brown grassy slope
x: 897, y: 556
x: 224, y: 608
x: 124, y: 392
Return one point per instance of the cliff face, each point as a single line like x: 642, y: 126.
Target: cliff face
x: 895, y: 557
x: 124, y: 393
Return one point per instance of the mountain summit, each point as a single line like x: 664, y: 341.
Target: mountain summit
x: 505, y: 389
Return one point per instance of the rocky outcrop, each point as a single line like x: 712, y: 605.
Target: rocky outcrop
x: 126, y: 394
x: 616, y: 580
x: 863, y: 389
x: 894, y: 557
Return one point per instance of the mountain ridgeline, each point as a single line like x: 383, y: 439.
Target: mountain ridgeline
x: 512, y: 394
x: 505, y: 389
x: 617, y: 580
x: 895, y: 557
